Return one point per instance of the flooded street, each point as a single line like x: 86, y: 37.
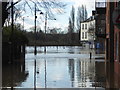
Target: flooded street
x: 68, y: 44
x: 59, y: 67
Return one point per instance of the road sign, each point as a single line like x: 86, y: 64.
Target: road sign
x: 116, y: 16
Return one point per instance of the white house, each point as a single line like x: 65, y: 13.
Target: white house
x: 88, y: 31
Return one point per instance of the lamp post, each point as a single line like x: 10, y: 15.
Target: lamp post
x: 35, y: 74
x: 23, y: 22
x: 35, y: 51
x: 12, y: 30
x: 45, y: 75
x: 11, y: 42
x: 46, y: 29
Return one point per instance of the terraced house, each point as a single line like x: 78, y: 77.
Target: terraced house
x: 88, y: 32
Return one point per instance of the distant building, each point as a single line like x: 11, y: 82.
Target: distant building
x: 88, y: 31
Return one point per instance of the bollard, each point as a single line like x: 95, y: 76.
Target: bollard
x: 90, y: 55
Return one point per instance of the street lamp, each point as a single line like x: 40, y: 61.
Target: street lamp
x: 35, y: 51
x: 46, y: 28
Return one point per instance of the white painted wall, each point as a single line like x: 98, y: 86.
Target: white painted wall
x: 89, y: 37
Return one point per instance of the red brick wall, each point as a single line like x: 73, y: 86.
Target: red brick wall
x: 107, y: 30
x: 117, y: 57
x: 116, y: 32
x: 107, y: 20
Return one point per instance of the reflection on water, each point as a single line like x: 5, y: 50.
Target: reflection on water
x: 56, y: 72
x: 13, y: 75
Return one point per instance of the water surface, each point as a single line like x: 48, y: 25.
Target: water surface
x: 59, y: 67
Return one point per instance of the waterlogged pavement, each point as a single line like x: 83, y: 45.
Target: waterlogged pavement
x: 59, y: 67
x: 62, y: 52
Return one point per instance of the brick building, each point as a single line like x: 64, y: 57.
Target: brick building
x: 100, y: 18
x: 113, y: 43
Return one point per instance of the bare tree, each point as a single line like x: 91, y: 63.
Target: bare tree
x: 86, y: 14
x: 20, y: 6
x: 71, y: 26
x: 72, y: 18
x: 81, y: 16
x: 6, y: 6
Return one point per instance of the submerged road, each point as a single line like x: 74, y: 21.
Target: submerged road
x: 60, y: 67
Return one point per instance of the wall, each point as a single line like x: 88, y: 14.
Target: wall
x: 117, y: 53
x: 109, y: 32
x: 89, y: 23
x: 112, y: 47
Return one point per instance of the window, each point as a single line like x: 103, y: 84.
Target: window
x: 82, y: 35
x: 82, y: 26
x: 85, y: 35
x: 85, y: 26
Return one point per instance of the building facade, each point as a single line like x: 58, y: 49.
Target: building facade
x: 100, y: 32
x: 88, y: 31
x: 113, y: 42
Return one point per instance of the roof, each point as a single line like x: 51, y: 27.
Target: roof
x: 91, y: 18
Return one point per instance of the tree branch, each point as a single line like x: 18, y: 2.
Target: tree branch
x: 14, y: 4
